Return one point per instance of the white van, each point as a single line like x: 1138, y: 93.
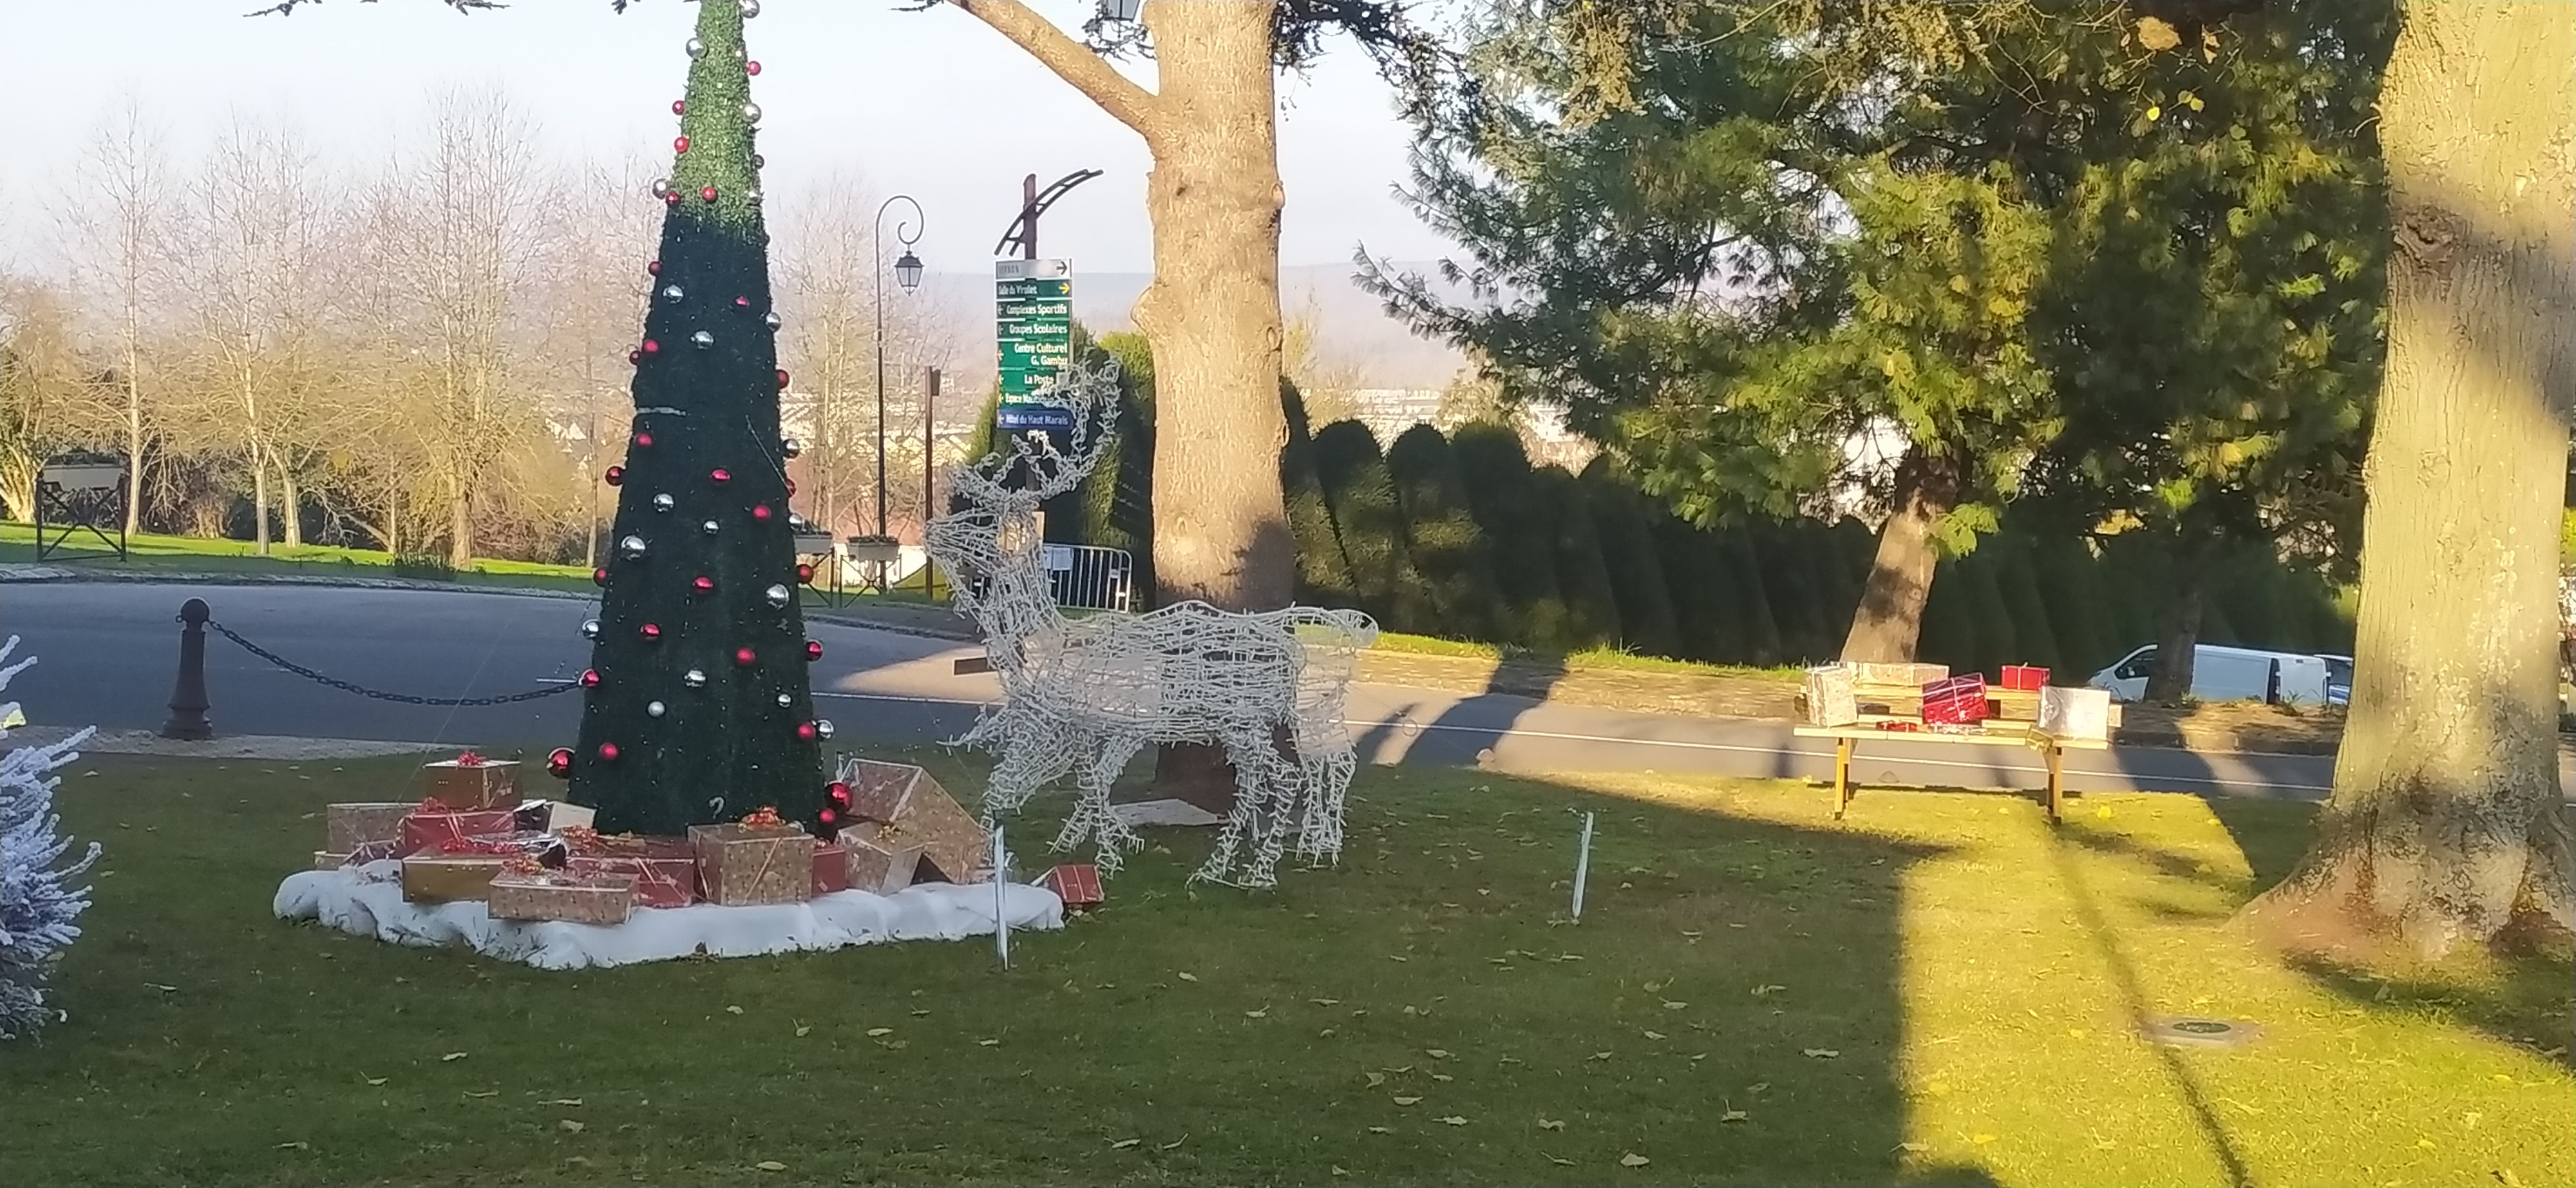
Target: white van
x: 2220, y: 673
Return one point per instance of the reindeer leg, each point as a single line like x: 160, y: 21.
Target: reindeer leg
x: 1034, y: 760
x: 1091, y: 816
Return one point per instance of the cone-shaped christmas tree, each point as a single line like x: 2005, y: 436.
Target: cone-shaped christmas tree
x: 698, y: 707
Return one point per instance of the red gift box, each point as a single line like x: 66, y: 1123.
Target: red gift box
x: 831, y: 868
x: 433, y: 825
x: 2027, y: 678
x: 1077, y: 884
x: 665, y: 868
x: 1957, y: 701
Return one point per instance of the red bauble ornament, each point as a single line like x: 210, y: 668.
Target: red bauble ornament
x: 559, y: 764
x: 703, y: 584
x: 804, y: 573
x: 599, y: 576
x: 643, y: 441
x: 813, y: 649
x: 745, y: 657
x: 652, y: 632
x: 827, y: 816
x: 742, y: 303
x: 679, y: 144
x: 751, y: 67
x: 653, y: 266
x: 719, y: 475
x: 805, y: 731
x: 679, y: 107
x: 791, y: 486
x: 590, y: 678
x: 760, y: 512
x: 651, y: 347
x: 671, y: 199
x: 782, y: 379
x: 707, y: 194
x: 608, y: 752
x: 838, y: 792
x: 615, y: 476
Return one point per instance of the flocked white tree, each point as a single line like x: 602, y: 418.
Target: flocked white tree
x: 39, y: 905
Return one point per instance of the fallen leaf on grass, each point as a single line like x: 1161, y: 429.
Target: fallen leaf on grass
x: 164, y: 989
x: 770, y: 1165
x: 569, y: 1126
x: 1123, y: 1144
x: 298, y: 1145
x: 375, y: 1080
x: 919, y: 1013
x: 452, y: 1056
x: 802, y: 1029
x: 1381, y: 1130
x: 1337, y: 1170
x: 1189, y: 977
x: 874, y: 1032
x: 562, y: 1101
x: 1981, y: 1139
x: 1442, y: 1077
x: 1760, y: 991
x: 1397, y: 957
x: 1674, y: 1006
x: 482, y: 1093
x: 1823, y: 1053
x: 1454, y: 1120
x: 1914, y: 1148
x: 1633, y: 1159
x: 1560, y: 1162
x: 1263, y: 1013
x: 988, y: 1043
x: 1654, y: 1035
x: 1325, y: 1001
x: 1173, y: 1145
x: 1600, y: 1056
x: 1551, y: 1123
x: 1436, y: 1053
x: 1733, y: 1116
x: 1406, y: 1101
x: 2506, y: 1177
x: 733, y: 1010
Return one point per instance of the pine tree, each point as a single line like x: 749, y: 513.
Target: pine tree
x: 1591, y: 608
x: 39, y: 905
x: 1450, y: 553
x: 1510, y: 512
x: 1323, y: 572
x: 1625, y: 522
x: 698, y: 708
x: 1370, y: 522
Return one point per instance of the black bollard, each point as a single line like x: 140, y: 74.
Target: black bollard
x: 188, y: 697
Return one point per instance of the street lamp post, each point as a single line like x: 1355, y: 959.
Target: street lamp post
x: 907, y: 273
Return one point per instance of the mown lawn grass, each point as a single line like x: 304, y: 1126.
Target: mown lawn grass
x: 195, y: 554
x: 1940, y: 990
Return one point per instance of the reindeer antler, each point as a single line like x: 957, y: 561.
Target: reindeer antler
x: 1091, y: 394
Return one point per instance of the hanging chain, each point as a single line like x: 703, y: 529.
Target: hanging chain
x: 405, y: 698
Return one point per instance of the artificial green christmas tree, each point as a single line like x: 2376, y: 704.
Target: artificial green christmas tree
x: 698, y: 705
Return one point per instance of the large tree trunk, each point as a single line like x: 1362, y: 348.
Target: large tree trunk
x: 2178, y: 645
x: 2445, y: 824
x: 460, y: 525
x: 1212, y: 314
x: 292, y: 508
x: 1889, y: 621
x: 259, y: 498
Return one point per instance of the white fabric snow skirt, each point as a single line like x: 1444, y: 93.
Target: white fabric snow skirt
x: 367, y: 901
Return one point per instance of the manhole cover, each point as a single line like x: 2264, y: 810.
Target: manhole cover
x: 2201, y: 1033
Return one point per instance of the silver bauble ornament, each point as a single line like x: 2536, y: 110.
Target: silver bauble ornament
x: 696, y: 47
x: 786, y: 701
x: 795, y: 522
x: 750, y: 9
x: 777, y: 596
x: 631, y: 548
x: 653, y: 709
x: 590, y: 629
x: 663, y: 502
x: 672, y: 293
x: 750, y: 112
x: 709, y: 527
x: 771, y: 319
x: 661, y: 187
x: 791, y: 447
x: 702, y: 340
x: 823, y: 728
x: 752, y: 194
x: 695, y: 678
x: 759, y: 162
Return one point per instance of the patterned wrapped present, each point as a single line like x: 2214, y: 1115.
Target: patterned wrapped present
x: 1077, y: 884
x: 1956, y: 701
x: 374, y: 851
x: 344, y: 826
x: 552, y: 816
x: 665, y: 869
x: 2075, y: 713
x: 1910, y: 675
x: 431, y: 878
x: 878, y: 867
x: 470, y: 781
x: 2027, y: 678
x: 547, y: 849
x: 744, y: 864
x: 578, y: 899
x: 899, y: 805
x: 831, y: 867
x: 1831, y: 700
x: 433, y: 824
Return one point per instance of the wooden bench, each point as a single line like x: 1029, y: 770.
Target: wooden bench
x: 2051, y: 748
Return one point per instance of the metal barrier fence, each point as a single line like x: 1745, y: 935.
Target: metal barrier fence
x: 1091, y: 577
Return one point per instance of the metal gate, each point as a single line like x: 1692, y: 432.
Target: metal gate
x: 1091, y: 577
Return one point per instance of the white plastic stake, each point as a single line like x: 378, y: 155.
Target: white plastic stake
x: 1001, y: 888
x: 1582, y: 867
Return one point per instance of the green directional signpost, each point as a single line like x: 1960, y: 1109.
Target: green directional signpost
x: 1033, y: 317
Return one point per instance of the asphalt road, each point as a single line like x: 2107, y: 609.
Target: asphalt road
x: 109, y: 652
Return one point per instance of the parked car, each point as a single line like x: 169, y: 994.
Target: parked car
x: 2338, y: 679
x: 2222, y: 673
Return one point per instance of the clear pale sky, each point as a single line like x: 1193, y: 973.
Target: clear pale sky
x: 930, y: 103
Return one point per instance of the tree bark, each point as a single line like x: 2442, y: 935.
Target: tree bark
x: 2445, y: 824
x: 259, y: 498
x: 291, y: 513
x: 460, y: 525
x: 1889, y: 621
x: 2178, y: 645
